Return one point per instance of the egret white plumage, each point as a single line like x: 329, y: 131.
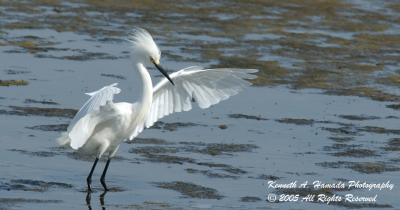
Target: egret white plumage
x: 101, y: 124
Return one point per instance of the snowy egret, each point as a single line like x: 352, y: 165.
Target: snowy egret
x: 101, y: 125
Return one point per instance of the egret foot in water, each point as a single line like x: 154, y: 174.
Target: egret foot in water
x: 103, y: 176
x: 89, y: 178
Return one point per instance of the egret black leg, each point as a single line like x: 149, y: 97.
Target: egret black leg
x: 103, y: 176
x: 89, y: 178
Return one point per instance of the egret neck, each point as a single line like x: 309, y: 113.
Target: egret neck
x: 147, y: 92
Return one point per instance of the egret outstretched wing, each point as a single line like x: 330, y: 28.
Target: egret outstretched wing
x: 84, y: 122
x: 206, y: 86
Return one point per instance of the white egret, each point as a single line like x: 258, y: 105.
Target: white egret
x: 101, y: 125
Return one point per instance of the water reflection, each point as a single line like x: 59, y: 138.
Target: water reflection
x: 102, y: 195
x: 101, y: 198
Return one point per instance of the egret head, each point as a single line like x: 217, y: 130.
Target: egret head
x: 145, y: 50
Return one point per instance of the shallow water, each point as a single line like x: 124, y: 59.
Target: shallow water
x: 323, y: 108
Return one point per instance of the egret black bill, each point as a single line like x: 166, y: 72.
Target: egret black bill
x: 162, y: 70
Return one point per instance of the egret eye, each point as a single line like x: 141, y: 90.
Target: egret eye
x: 152, y: 60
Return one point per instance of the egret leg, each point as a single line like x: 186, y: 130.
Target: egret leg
x: 89, y: 178
x: 103, y: 176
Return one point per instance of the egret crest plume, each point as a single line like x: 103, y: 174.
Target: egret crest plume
x: 143, y: 44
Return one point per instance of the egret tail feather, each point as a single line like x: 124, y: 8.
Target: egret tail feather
x: 64, y: 139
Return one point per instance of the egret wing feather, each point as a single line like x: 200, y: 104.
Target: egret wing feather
x: 97, y: 99
x: 84, y: 128
x: 206, y: 86
x: 91, y: 114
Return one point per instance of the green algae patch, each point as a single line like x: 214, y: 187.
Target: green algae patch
x: 296, y: 121
x: 224, y: 167
x: 393, y: 145
x: 209, y: 173
x: 314, y: 78
x: 395, y: 6
x: 378, y: 40
x: 250, y: 199
x: 31, y: 44
x: 39, y: 111
x: 35, y: 185
x: 336, y: 46
x: 34, y: 153
x: 270, y: 72
x: 358, y: 117
x: 245, y: 116
x: 212, y: 149
x: 358, y: 153
x: 191, y: 190
x: 369, y: 168
x: 13, y: 82
x: 393, y: 80
x: 56, y: 127
x: 155, y: 141
x: 46, y: 102
x: 393, y: 106
x: 362, y: 167
x: 340, y: 139
x: 174, y: 125
x: 379, y: 130
x: 368, y: 92
x: 219, y: 149
x: 48, y: 2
